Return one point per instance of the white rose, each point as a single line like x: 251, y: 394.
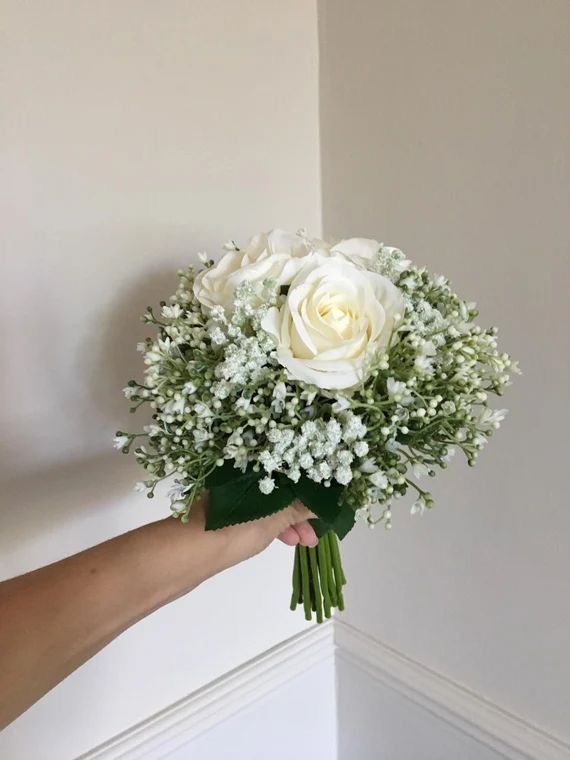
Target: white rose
x: 276, y: 255
x: 363, y: 250
x: 359, y: 250
x: 334, y: 316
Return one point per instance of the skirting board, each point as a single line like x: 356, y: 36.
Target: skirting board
x: 472, y: 714
x: 446, y: 700
x: 181, y: 722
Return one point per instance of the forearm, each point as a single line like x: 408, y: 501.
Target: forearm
x: 55, y: 618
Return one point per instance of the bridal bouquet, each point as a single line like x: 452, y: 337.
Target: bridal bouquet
x: 337, y: 374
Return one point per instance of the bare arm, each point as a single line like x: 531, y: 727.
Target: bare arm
x: 54, y: 619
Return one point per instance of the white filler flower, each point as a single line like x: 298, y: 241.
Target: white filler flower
x: 335, y: 315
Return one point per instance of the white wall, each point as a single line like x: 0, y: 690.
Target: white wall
x: 298, y: 720
x: 375, y: 722
x: 133, y: 135
x: 445, y: 130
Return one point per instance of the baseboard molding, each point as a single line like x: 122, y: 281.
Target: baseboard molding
x: 220, y: 699
x: 471, y: 713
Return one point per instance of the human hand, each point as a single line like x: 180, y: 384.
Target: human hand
x: 290, y: 525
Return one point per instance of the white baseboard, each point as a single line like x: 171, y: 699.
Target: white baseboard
x: 472, y: 714
x: 183, y: 721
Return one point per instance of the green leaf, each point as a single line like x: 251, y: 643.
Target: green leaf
x: 324, y: 502
x: 235, y: 498
x: 225, y: 474
x: 240, y: 500
x: 342, y: 524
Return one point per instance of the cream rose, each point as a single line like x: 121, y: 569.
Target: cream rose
x: 277, y: 255
x: 334, y: 316
x: 363, y: 250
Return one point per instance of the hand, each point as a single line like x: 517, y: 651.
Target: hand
x: 290, y: 525
x: 299, y: 532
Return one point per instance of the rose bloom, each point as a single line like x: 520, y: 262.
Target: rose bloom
x: 334, y: 317
x: 277, y: 255
x: 362, y: 251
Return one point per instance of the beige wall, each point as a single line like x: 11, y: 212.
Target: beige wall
x: 445, y: 129
x: 133, y: 134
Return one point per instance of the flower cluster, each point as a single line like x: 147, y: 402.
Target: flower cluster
x: 343, y: 363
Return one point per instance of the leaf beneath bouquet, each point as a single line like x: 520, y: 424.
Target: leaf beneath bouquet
x: 327, y: 504
x: 235, y: 498
x: 342, y: 524
x: 324, y: 502
x: 238, y: 499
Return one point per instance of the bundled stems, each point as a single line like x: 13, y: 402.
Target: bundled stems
x: 318, y: 578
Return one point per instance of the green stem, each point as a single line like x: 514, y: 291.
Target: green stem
x: 296, y: 580
x: 317, y: 596
x: 318, y: 578
x: 338, y: 572
x: 324, y: 573
x: 330, y: 577
x: 336, y: 556
x: 305, y: 585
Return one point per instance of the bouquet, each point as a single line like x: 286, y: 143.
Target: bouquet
x: 336, y: 374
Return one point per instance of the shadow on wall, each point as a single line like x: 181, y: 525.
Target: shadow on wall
x: 35, y: 505
x: 114, y: 360
x: 36, y: 500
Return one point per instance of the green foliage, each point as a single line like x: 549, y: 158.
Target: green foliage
x: 235, y: 498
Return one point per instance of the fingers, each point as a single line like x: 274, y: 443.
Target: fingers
x: 307, y: 535
x: 300, y: 533
x: 289, y: 536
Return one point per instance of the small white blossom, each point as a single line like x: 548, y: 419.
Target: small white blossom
x: 175, y: 406
x: 172, y: 312
x: 202, y: 410
x: 418, y: 507
x: 217, y: 336
x: 269, y: 461
x: 420, y: 470
x: 361, y: 448
x: 379, y: 480
x: 294, y: 474
x: 398, y: 391
x: 153, y: 430
x: 177, y: 492
x: 490, y: 419
x: 280, y: 391
x: 120, y: 441
x: 343, y: 475
x: 341, y: 404
x: 266, y: 485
